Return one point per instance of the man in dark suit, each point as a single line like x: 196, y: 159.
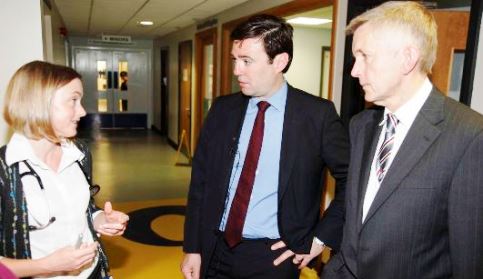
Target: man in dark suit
x: 257, y: 179
x: 414, y: 196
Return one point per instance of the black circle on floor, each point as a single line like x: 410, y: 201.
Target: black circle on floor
x: 139, y: 225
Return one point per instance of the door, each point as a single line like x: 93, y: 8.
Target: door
x: 447, y: 71
x: 93, y: 65
x: 205, y: 45
x: 184, y: 82
x: 115, y: 87
x: 164, y: 91
x: 130, y: 74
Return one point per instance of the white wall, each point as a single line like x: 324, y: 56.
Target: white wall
x: 304, y: 73
x: 338, y: 45
x: 55, y: 41
x: 20, y: 44
x: 477, y: 96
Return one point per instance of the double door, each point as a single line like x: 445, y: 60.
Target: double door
x: 115, y: 86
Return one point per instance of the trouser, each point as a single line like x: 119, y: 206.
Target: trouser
x: 252, y: 258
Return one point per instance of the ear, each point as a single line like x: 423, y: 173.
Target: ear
x: 411, y: 58
x: 280, y: 61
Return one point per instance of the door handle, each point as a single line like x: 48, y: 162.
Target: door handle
x: 109, y: 79
x: 116, y: 80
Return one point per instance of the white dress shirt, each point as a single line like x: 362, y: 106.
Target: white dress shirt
x: 65, y: 197
x: 406, y: 115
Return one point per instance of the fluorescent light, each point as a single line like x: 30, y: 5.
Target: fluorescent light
x: 146, y: 22
x: 308, y: 20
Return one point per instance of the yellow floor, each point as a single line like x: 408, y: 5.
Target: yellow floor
x: 136, y: 169
x: 134, y: 260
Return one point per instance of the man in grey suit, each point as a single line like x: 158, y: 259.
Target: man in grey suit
x: 414, y: 194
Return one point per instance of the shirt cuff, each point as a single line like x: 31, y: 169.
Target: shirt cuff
x: 97, y: 212
x: 319, y: 242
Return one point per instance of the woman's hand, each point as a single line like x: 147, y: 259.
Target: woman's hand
x: 69, y: 258
x: 62, y: 261
x: 110, y: 222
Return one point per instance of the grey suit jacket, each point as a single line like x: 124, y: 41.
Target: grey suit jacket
x: 426, y: 221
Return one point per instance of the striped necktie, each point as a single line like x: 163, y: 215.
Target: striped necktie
x: 385, y: 150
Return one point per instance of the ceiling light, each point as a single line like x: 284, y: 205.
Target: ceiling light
x: 308, y: 20
x: 145, y: 22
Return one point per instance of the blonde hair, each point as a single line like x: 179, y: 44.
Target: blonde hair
x: 411, y: 17
x: 29, y: 96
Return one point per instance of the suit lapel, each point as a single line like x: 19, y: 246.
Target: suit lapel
x: 236, y: 114
x: 289, y: 141
x: 420, y: 137
x: 371, y: 136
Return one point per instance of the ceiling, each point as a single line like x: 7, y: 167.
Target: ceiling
x: 325, y: 13
x: 439, y: 4
x: 121, y: 17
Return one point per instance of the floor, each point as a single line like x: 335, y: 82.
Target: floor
x: 137, y: 172
x: 136, y: 165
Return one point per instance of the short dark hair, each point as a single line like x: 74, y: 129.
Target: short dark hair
x: 275, y: 32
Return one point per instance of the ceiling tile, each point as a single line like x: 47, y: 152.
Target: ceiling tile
x: 121, y: 16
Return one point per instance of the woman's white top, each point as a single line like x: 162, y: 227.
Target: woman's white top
x: 65, y: 197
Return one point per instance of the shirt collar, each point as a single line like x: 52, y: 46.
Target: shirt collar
x: 70, y: 154
x: 408, y: 112
x: 277, y: 100
x: 19, y: 149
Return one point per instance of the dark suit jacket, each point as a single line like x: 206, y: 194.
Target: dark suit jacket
x: 426, y: 221
x: 313, y: 138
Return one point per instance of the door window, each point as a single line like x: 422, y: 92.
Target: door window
x: 123, y: 85
x: 102, y: 85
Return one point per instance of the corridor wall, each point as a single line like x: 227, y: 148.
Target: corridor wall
x: 19, y: 45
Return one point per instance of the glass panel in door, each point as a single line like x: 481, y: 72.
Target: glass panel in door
x: 104, y: 81
x: 207, y: 83
x: 121, y: 86
x: 102, y: 104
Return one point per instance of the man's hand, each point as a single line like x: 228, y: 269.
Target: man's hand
x: 190, y: 267
x: 302, y: 260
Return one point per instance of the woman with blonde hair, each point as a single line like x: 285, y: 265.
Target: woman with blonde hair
x: 49, y: 224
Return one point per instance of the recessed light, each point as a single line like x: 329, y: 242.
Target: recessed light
x: 309, y: 20
x: 145, y: 22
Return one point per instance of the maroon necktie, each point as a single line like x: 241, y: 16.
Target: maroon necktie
x: 239, y: 206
